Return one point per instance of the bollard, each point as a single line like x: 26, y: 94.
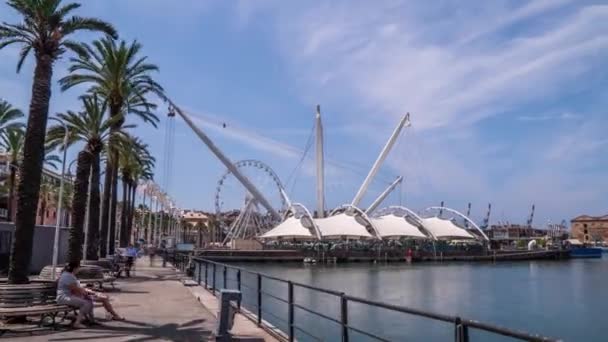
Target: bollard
x: 164, y: 258
x: 226, y: 314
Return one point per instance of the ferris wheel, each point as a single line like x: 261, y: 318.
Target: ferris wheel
x: 238, y: 213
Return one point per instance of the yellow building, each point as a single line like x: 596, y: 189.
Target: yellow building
x: 587, y: 228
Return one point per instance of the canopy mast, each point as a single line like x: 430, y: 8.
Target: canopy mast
x: 320, y: 165
x: 383, y: 195
x: 405, y: 121
x: 229, y: 165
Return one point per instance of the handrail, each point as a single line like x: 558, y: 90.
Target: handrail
x: 460, y: 325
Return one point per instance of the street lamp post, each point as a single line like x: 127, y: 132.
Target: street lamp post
x: 59, y: 205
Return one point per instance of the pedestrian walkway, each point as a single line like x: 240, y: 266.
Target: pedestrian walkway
x: 156, y: 305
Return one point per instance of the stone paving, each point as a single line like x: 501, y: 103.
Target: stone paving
x: 156, y: 305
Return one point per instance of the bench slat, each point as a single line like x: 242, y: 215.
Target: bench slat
x: 34, y: 310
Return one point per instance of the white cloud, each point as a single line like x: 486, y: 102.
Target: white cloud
x: 453, y: 65
x: 549, y: 117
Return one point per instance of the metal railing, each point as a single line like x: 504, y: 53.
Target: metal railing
x: 206, y: 273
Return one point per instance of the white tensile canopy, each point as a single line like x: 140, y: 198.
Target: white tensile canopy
x: 291, y: 228
x: 392, y: 226
x: 441, y: 228
x: 342, y: 226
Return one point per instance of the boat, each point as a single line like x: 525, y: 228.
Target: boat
x: 586, y: 252
x: 308, y: 260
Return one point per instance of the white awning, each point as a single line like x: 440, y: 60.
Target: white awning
x: 342, y: 226
x: 441, y: 228
x: 289, y: 229
x: 395, y: 226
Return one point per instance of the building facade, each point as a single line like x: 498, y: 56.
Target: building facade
x: 587, y: 228
x: 47, y: 203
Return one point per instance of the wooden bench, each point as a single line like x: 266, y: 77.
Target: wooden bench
x: 87, y: 275
x: 35, y: 299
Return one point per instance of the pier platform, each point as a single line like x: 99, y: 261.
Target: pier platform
x: 345, y: 256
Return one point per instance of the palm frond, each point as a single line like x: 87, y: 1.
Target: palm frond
x: 76, y: 23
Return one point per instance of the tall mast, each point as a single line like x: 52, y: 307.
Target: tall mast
x: 466, y: 223
x: 385, y: 151
x: 383, y: 195
x: 320, y: 165
x: 229, y: 165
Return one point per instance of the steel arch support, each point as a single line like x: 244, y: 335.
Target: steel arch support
x: 389, y: 210
x: 456, y: 212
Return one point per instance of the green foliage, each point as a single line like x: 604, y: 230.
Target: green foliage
x: 90, y: 126
x: 116, y: 73
x: 46, y: 28
x: 9, y: 116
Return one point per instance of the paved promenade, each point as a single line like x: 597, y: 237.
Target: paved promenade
x: 156, y: 305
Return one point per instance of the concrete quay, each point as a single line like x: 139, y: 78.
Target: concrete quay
x: 157, y: 307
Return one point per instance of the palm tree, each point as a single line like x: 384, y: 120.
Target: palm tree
x: 12, y: 141
x: 118, y: 73
x: 135, y: 162
x: 47, y: 191
x: 46, y: 29
x: 142, y: 172
x: 8, y: 117
x: 91, y: 127
x: 66, y: 203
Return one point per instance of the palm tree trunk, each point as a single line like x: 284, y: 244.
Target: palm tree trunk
x: 123, y: 215
x: 31, y: 172
x: 94, y: 240
x: 105, y: 210
x: 128, y: 212
x: 113, y: 203
x: 11, y: 190
x: 200, y: 236
x: 79, y: 206
x: 42, y: 209
x: 132, y: 207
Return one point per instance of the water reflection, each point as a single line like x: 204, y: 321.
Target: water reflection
x: 563, y: 299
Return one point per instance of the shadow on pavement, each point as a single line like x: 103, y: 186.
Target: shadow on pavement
x: 144, y: 332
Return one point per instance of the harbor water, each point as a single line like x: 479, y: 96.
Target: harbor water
x: 560, y: 299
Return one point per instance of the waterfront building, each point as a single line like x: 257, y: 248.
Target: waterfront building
x: 511, y: 232
x: 194, y: 217
x: 47, y: 203
x: 586, y: 228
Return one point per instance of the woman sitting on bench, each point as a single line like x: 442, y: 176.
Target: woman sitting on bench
x: 69, y: 292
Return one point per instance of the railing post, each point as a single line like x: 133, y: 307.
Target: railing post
x: 206, y: 276
x: 213, y: 276
x: 461, y: 331
x: 225, y: 276
x: 198, y: 263
x: 259, y: 299
x: 238, y: 284
x: 290, y: 313
x: 344, y: 317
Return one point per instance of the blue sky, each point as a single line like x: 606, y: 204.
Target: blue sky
x: 508, y: 98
